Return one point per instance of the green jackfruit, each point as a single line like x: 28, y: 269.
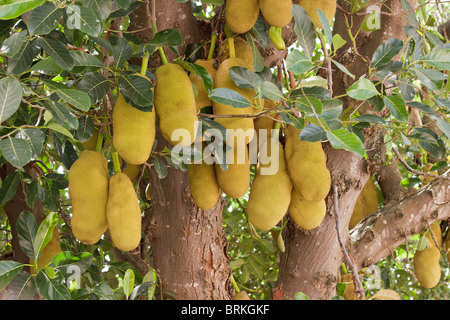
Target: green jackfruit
x: 133, y: 131
x: 306, y: 163
x: 270, y: 194
x: 202, y: 99
x: 175, y: 104
x: 88, y: 191
x: 235, y: 180
x: 277, y: 13
x: 203, y: 184
x: 223, y: 80
x: 241, y: 295
x: 123, y: 213
x: 328, y: 7
x: 241, y: 15
x: 52, y: 248
x: 307, y: 215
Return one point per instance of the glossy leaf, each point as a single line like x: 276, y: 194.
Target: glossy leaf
x: 304, y: 28
x: 297, y: 62
x: 26, y: 230
x: 76, y: 98
x: 229, y: 97
x: 9, y: 187
x: 342, y: 139
x: 17, y: 7
x: 397, y: 107
x: 44, y: 19
x: 8, y: 270
x: 10, y: 97
x: 362, y: 89
x: 386, y: 51
x: 57, y: 51
x: 16, y: 151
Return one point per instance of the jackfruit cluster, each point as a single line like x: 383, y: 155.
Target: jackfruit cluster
x: 328, y: 7
x: 426, y: 261
x: 366, y: 203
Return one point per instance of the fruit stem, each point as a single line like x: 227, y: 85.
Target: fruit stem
x: 144, y: 65
x: 98, y: 146
x: 344, y: 269
x: 116, y: 161
x: 162, y: 55
x: 230, y: 40
x: 213, y: 45
x: 235, y: 285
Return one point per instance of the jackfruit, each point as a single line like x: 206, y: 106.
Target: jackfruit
x: 270, y: 194
x: 265, y: 122
x: 123, y: 213
x: 366, y: 203
x: 306, y: 164
x: 235, y: 180
x: 175, y: 105
x: 349, y: 293
x: 277, y: 13
x: 52, y: 248
x: 426, y: 261
x: 307, y: 215
x: 131, y: 170
x: 359, y: 212
x: 203, y: 184
x: 242, y: 50
x: 133, y: 131
x: 224, y: 80
x: 241, y: 15
x: 241, y: 295
x: 447, y: 245
x: 202, y: 99
x: 88, y: 190
x: 328, y: 7
x: 91, y: 143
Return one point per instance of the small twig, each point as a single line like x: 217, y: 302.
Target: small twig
x: 359, y: 290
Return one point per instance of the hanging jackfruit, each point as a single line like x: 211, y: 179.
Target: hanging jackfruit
x: 131, y: 170
x: 241, y: 295
x: 328, y: 7
x: 91, y: 143
x: 359, y: 212
x: 88, y: 191
x: 270, y: 193
x: 366, y: 203
x: 52, y: 248
x: 306, y: 164
x: 307, y: 215
x: 123, y: 213
x: 242, y: 50
x: 277, y: 13
x: 175, y: 105
x: 203, y: 184
x: 241, y: 15
x: 224, y: 80
x: 426, y: 261
x: 133, y: 131
x: 202, y: 99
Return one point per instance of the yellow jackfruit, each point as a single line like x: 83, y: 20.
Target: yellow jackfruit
x: 202, y: 99
x: 203, y: 184
x: 307, y: 215
x: 328, y: 7
x: 131, y: 170
x: 359, y: 212
x: 235, y: 180
x: 349, y: 293
x: 277, y: 13
x: 426, y: 261
x: 52, y: 248
x: 270, y: 193
x: 447, y: 245
x: 242, y: 50
x: 133, y: 131
x: 88, y: 190
x: 91, y: 143
x: 223, y: 80
x: 175, y: 105
x: 241, y: 295
x: 366, y: 203
x: 306, y: 163
x: 241, y: 15
x: 123, y: 213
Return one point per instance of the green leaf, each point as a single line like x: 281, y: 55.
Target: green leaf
x: 343, y: 69
x: 438, y: 58
x: 386, y: 51
x: 331, y: 109
x: 17, y: 7
x: 160, y: 167
x: 261, y: 32
x: 35, y: 137
x: 46, y: 66
x: 167, y: 37
x: 342, y: 139
x: 297, y: 62
x: 372, y: 118
x: 325, y: 26
x: 12, y: 45
x: 397, y: 107
x: 51, y: 192
x: 270, y: 91
x: 102, y: 7
x: 10, y: 97
x: 104, y: 292
x: 312, y: 133
x: 83, y: 59
x: 137, y: 91
x: 26, y: 230
x: 421, y: 107
x: 44, y: 233
x: 95, y: 85
x: 32, y: 192
x: 443, y: 125
x: 128, y: 282
x: 61, y: 113
x: 258, y: 61
x: 76, y: 98
x: 338, y: 42
x: 307, y: 104
x: 22, y: 60
x: 301, y: 296
x: 362, y: 89
x: 85, y: 129
x: 9, y: 187
x: 16, y: 151
x: 304, y: 28
x: 433, y: 79
x: 44, y: 19
x: 52, y: 289
x: 229, y: 97
x: 21, y: 287
x: 57, y: 51
x: 122, y: 52
x: 83, y: 19
x: 411, y: 15
x: 245, y: 78
x: 204, y: 74
x: 8, y: 270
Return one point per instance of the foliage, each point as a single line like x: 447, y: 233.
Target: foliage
x: 57, y: 84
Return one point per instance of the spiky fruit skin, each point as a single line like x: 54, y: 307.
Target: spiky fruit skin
x: 88, y: 191
x: 328, y: 7
x: 270, y: 194
x: 277, y: 13
x: 175, y: 104
x: 235, y: 180
x: 306, y: 163
x: 241, y: 15
x: 202, y: 99
x: 133, y: 131
x: 241, y: 295
x: 203, y: 184
x: 123, y: 213
x: 50, y: 250
x: 307, y: 215
x: 223, y: 80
